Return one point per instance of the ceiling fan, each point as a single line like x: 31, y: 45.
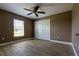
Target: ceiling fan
x: 35, y: 11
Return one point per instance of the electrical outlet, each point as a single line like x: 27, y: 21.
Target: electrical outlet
x: 3, y: 38
x: 58, y: 37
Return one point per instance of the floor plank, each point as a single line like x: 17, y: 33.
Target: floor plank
x: 36, y: 48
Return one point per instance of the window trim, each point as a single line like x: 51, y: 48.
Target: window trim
x: 23, y: 28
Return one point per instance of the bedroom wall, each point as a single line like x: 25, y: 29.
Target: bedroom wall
x: 6, y: 26
x: 60, y: 26
x: 75, y: 27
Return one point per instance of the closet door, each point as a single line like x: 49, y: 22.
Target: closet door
x: 42, y: 29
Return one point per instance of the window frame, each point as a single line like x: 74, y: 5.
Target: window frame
x: 14, y: 28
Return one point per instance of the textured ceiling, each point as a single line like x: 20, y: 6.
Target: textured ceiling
x: 49, y: 8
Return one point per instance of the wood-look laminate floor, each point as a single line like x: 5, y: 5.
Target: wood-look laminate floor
x: 36, y: 48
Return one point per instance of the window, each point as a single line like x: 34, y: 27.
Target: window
x: 18, y: 28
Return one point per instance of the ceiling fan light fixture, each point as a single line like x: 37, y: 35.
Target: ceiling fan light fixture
x: 35, y: 11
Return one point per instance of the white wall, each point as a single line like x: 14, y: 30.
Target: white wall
x: 75, y: 27
x: 42, y: 29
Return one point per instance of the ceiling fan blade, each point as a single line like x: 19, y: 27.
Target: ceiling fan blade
x: 36, y: 14
x: 29, y: 14
x: 36, y: 8
x: 41, y: 12
x: 27, y: 9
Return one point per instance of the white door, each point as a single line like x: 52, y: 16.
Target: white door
x: 42, y: 29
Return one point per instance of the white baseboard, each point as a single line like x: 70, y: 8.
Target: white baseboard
x: 67, y: 43
x: 62, y: 42
x: 13, y: 41
x: 74, y: 50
